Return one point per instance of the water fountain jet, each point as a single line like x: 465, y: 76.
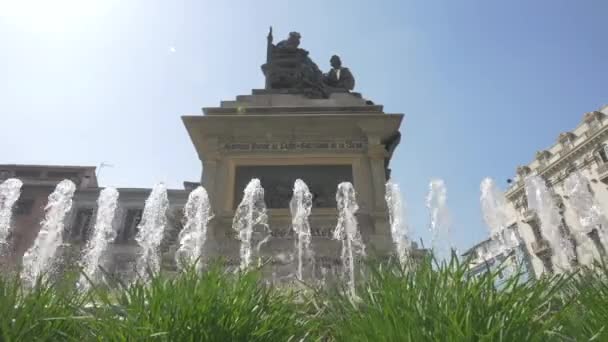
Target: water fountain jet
x: 541, y: 200
x: 399, y: 227
x: 192, y: 238
x: 10, y: 190
x: 103, y: 234
x: 251, y: 222
x: 300, y: 207
x: 39, y: 258
x: 436, y: 202
x: 347, y: 231
x: 494, y: 210
x: 593, y: 224
x: 150, y: 232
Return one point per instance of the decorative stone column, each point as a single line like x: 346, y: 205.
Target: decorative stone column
x: 211, y: 162
x: 209, y: 158
x: 377, y: 154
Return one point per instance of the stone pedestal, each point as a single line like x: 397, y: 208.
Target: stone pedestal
x: 280, y: 137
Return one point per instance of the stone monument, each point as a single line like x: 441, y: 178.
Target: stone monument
x: 307, y: 125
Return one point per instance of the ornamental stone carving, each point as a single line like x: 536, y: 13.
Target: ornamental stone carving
x: 523, y: 171
x: 594, y: 116
x: 543, y: 155
x: 566, y: 138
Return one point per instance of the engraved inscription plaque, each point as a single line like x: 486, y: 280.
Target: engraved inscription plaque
x: 277, y: 180
x: 278, y: 146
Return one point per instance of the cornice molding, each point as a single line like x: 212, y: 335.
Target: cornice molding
x: 574, y: 159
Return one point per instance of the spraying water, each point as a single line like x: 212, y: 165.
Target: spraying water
x: 10, y: 190
x: 150, y: 231
x: 347, y: 231
x: 103, y: 235
x: 493, y: 204
x: 192, y: 237
x: 541, y: 200
x: 251, y: 222
x: 399, y: 227
x: 586, y: 208
x: 436, y: 202
x: 494, y: 209
x: 300, y: 206
x: 39, y: 258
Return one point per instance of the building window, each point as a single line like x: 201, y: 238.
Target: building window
x: 534, y: 224
x: 510, y: 235
x: 603, y: 153
x: 595, y: 237
x: 5, y: 174
x: 501, y: 274
x: 176, y: 220
x: 23, y: 207
x: 81, y: 229
x: 129, y: 229
x: 590, y: 189
x: 547, y: 263
x: 522, y: 203
x: 566, y: 233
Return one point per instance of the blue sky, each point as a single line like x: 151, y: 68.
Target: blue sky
x: 483, y: 84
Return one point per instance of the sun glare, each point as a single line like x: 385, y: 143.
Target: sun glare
x: 51, y: 15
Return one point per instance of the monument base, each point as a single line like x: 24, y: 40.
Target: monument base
x: 279, y: 138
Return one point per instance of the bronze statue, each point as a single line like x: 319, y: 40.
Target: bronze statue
x: 292, y: 42
x: 338, y: 76
x: 289, y: 69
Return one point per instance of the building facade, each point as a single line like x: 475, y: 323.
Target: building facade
x: 490, y: 256
x: 39, y: 181
x: 583, y: 150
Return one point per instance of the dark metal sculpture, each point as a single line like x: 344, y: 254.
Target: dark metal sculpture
x: 292, y: 42
x: 289, y: 69
x: 339, y: 77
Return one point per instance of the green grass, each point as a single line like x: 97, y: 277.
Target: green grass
x: 588, y: 315
x: 444, y: 303
x: 427, y: 303
x: 216, y: 306
x: 49, y: 312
